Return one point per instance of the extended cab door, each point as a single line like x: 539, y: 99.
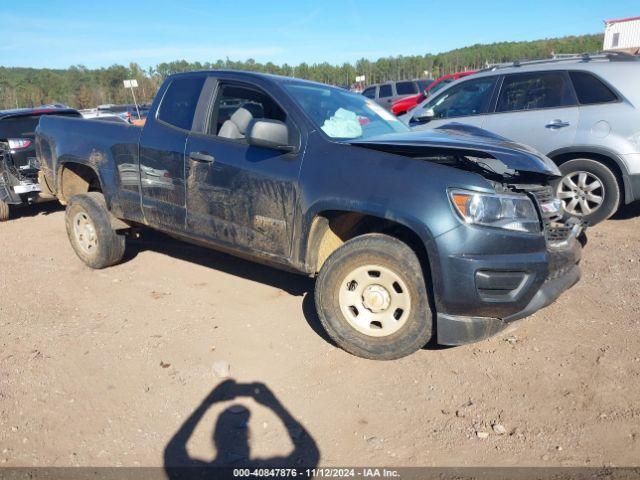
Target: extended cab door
x: 536, y: 108
x: 237, y: 194
x: 465, y: 102
x: 162, y: 143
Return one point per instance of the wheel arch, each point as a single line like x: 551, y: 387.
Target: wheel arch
x: 330, y: 228
x: 602, y: 155
x: 75, y: 178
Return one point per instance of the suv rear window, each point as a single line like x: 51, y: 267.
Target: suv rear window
x: 591, y: 90
x: 24, y: 127
x: 18, y: 127
x: 406, y: 88
x: 532, y: 91
x: 180, y: 101
x: 385, y: 91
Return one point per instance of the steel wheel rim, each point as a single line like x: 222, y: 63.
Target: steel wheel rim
x: 85, y: 232
x: 374, y: 300
x: 581, y: 193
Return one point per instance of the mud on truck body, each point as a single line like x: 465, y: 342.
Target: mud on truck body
x: 445, y: 236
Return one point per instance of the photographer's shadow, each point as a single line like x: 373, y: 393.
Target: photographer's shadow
x: 231, y: 437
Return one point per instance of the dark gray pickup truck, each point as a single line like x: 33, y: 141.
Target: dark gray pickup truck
x: 444, y: 236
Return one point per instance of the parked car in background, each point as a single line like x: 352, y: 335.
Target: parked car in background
x: 110, y: 118
x: 317, y: 180
x: 403, y: 106
x: 386, y: 94
x: 126, y: 112
x: 18, y: 165
x: 583, y: 112
x: 54, y: 105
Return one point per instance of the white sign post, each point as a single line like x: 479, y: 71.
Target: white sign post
x: 133, y: 83
x: 360, y: 78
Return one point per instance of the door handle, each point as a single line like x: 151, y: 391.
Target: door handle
x: 557, y: 124
x: 202, y: 157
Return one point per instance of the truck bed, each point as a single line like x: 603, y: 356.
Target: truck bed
x: 110, y: 149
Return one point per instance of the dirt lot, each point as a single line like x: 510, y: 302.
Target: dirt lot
x: 120, y: 366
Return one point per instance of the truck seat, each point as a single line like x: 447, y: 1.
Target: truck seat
x: 237, y: 124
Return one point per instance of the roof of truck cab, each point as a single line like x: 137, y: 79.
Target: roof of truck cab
x: 251, y: 74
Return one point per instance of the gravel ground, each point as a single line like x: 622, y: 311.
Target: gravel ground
x: 127, y: 366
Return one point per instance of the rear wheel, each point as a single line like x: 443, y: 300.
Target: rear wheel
x: 4, y: 211
x: 89, y: 229
x: 588, y: 190
x: 372, y: 299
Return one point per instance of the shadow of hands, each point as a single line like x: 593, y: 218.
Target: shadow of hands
x: 230, y: 434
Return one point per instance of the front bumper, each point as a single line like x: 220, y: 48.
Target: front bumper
x: 482, y: 294
x: 458, y: 330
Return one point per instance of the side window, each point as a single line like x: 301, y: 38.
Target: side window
x: 532, y: 91
x: 370, y: 92
x: 385, y: 91
x: 180, y: 101
x: 406, y: 88
x: 236, y: 106
x: 463, y: 100
x: 590, y: 89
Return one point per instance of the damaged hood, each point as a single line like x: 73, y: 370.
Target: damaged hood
x: 507, y: 158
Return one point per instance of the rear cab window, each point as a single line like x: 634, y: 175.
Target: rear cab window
x: 534, y: 91
x: 590, y: 90
x: 180, y: 101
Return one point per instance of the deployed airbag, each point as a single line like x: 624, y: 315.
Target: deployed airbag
x: 343, y: 124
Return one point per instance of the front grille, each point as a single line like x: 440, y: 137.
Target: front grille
x: 555, y: 230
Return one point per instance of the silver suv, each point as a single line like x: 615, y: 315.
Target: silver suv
x: 386, y: 94
x: 583, y: 112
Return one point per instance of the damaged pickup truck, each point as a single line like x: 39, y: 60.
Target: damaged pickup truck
x: 445, y: 236
x: 18, y: 165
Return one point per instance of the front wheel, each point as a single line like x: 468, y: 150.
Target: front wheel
x: 372, y: 299
x: 588, y: 190
x: 89, y: 229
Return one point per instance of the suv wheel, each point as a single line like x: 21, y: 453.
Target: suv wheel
x: 90, y: 232
x: 372, y: 299
x: 589, y: 190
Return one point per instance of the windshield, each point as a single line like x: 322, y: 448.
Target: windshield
x: 343, y: 115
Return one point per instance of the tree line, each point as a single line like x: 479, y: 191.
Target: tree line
x: 81, y: 87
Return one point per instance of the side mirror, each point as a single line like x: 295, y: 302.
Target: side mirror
x: 424, y: 116
x: 269, y: 134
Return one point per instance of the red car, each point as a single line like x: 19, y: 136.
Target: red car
x: 406, y: 104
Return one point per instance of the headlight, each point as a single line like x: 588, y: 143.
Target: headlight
x: 511, y: 212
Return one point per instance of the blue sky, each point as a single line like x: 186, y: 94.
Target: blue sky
x: 59, y: 33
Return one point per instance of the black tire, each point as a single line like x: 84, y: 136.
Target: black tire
x: 389, y: 253
x: 610, y: 190
x: 4, y: 211
x: 109, y: 246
